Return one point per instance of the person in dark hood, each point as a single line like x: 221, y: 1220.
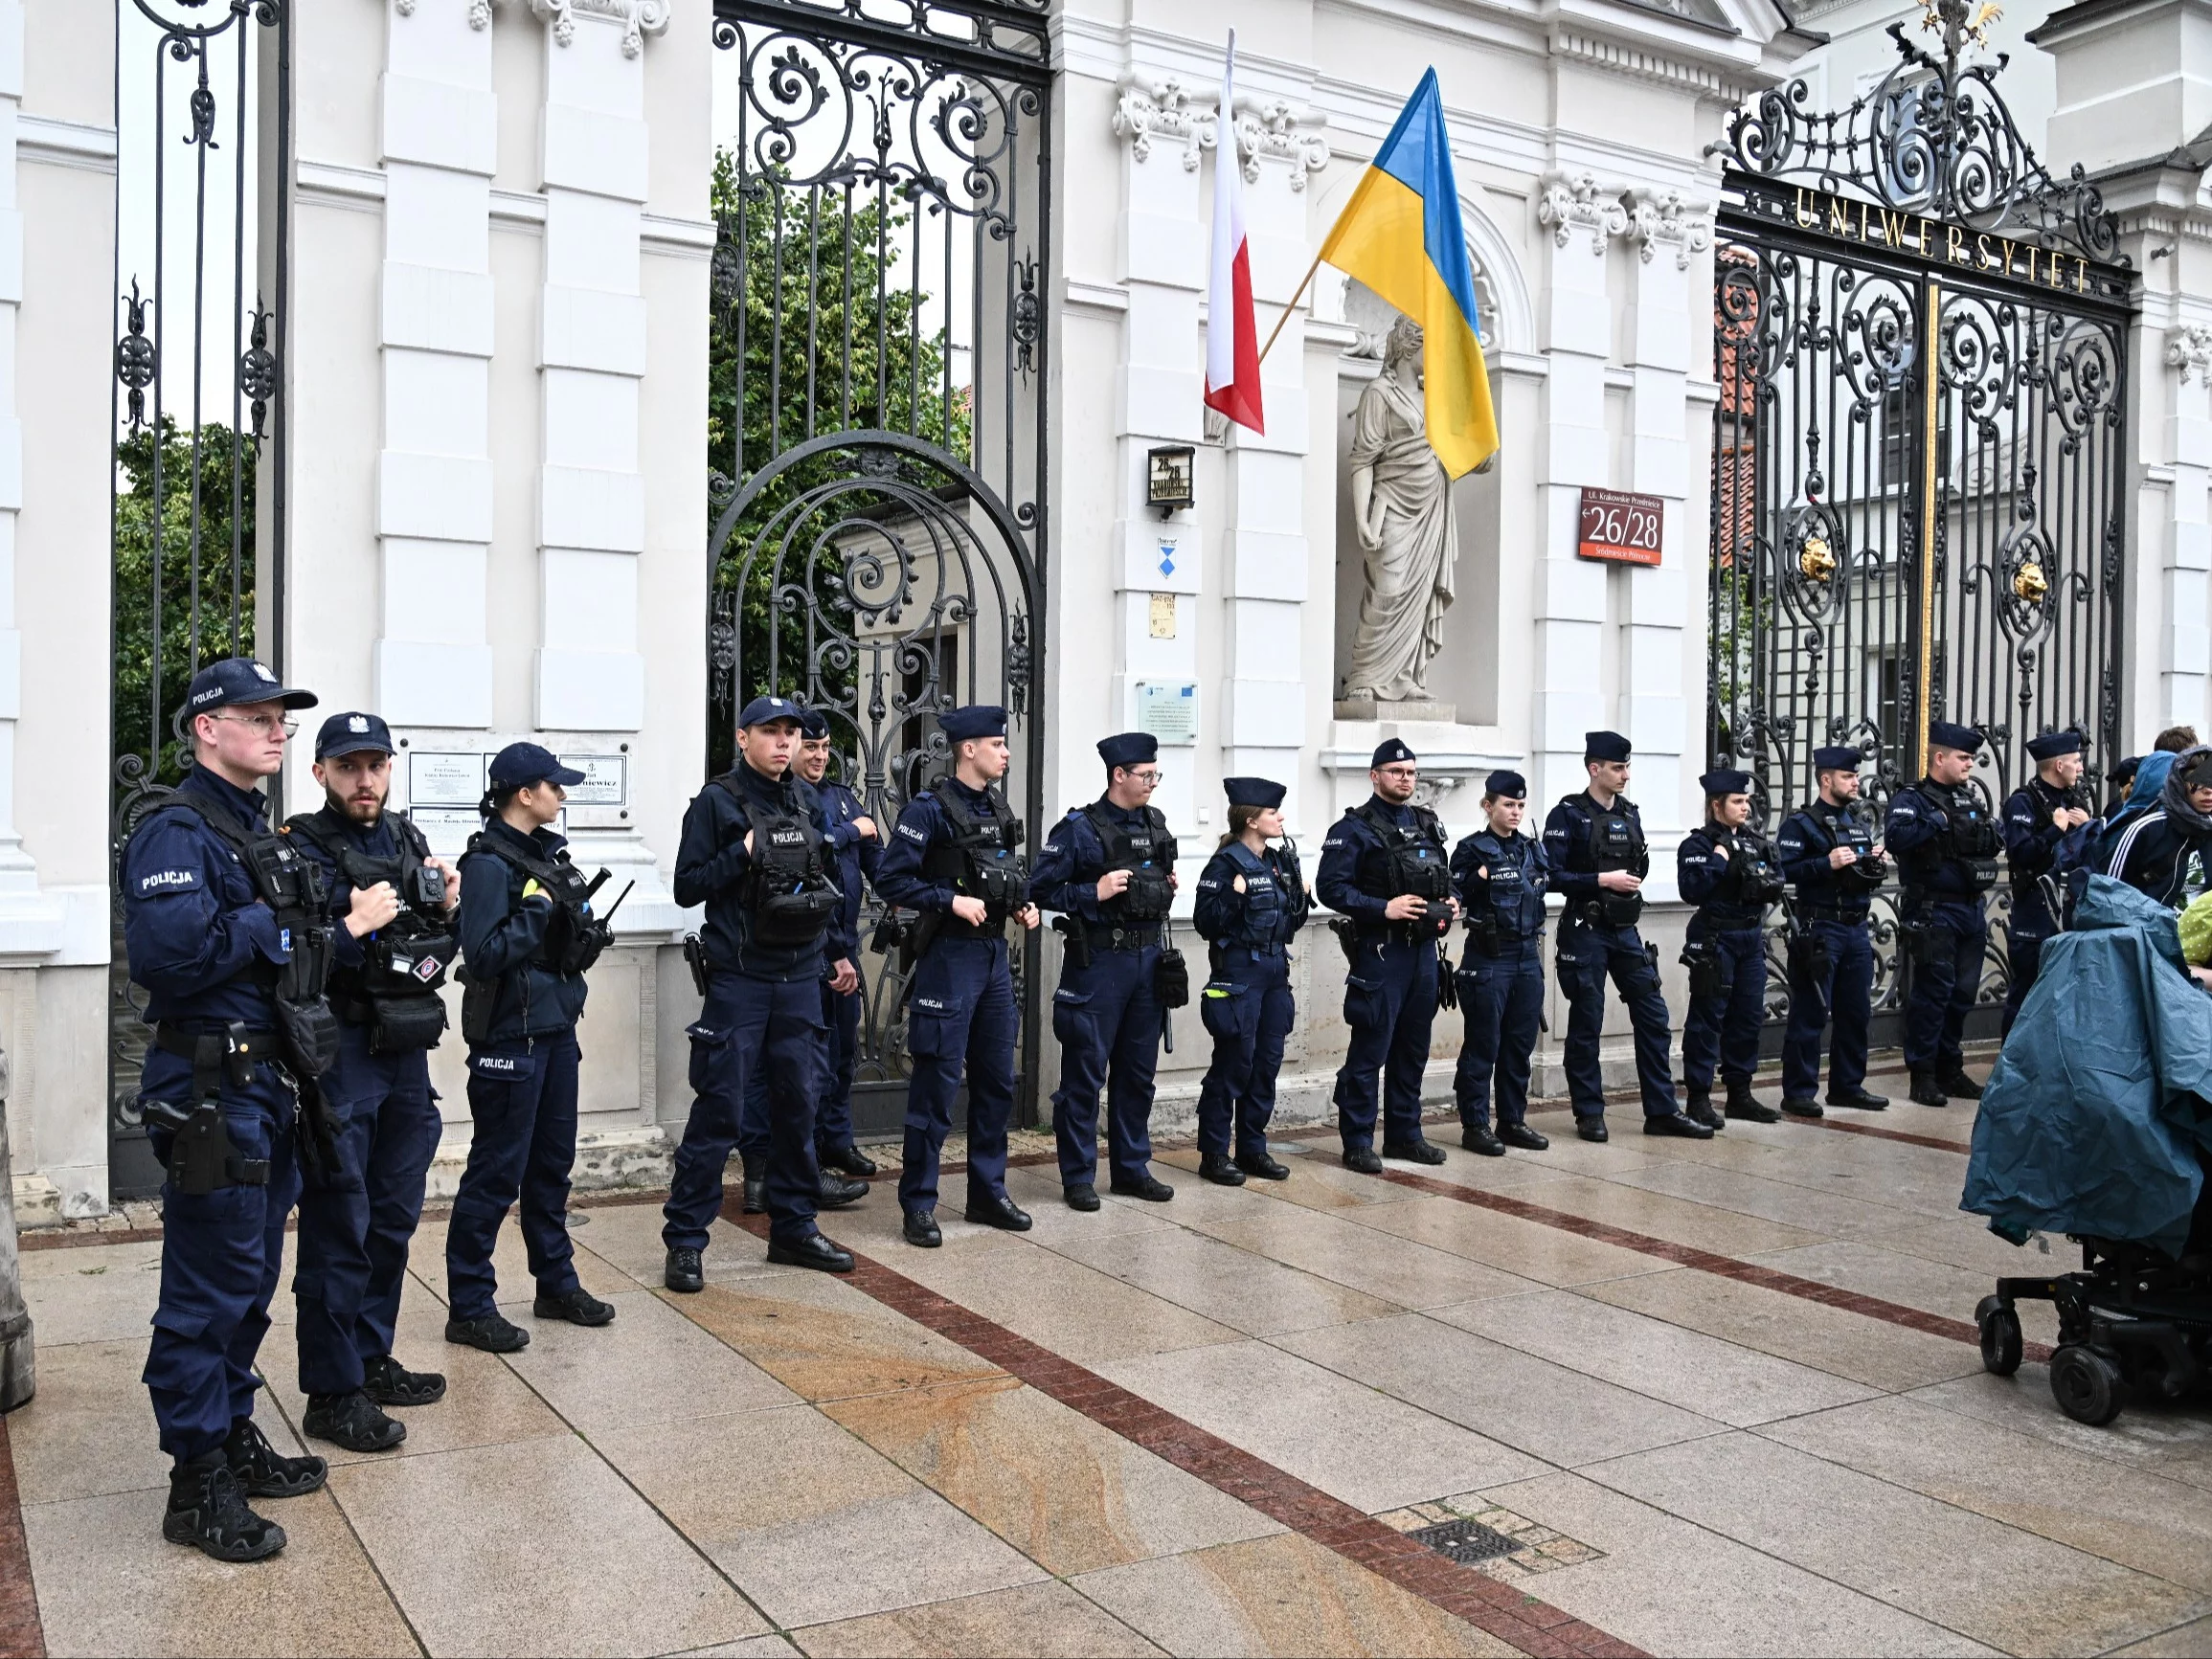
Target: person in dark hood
x: 2157, y: 850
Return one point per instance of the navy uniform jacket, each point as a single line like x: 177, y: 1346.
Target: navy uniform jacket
x: 1803, y: 844
x: 1267, y: 914
x: 379, y: 841
x: 2150, y: 852
x: 196, y: 935
x: 1067, y: 872
x: 711, y: 862
x: 1567, y: 835
x: 1916, y: 818
x: 898, y: 874
x: 2031, y: 838
x: 1519, y: 872
x: 1350, y: 844
x: 1704, y: 873
x: 857, y: 856
x: 502, y: 932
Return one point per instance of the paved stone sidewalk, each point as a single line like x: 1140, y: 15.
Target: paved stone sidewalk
x: 1710, y: 1398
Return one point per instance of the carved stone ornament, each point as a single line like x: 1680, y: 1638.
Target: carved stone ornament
x: 1271, y: 126
x: 479, y: 11
x: 2189, y: 349
x: 1668, y: 217
x: 1575, y: 201
x: 1164, y: 109
x: 638, y: 18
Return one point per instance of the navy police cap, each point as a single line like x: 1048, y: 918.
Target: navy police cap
x: 1842, y: 757
x: 1509, y: 784
x: 520, y: 765
x: 240, y: 680
x: 2125, y: 768
x: 976, y: 720
x: 1260, y: 792
x: 1947, y: 734
x: 1129, y: 749
x: 1604, y: 745
x: 2053, y: 744
x: 813, y: 723
x: 1391, y: 751
x: 352, y: 733
x: 1723, y: 781
x: 762, y: 710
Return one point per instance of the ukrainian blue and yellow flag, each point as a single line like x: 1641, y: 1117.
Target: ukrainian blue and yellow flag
x: 1400, y: 235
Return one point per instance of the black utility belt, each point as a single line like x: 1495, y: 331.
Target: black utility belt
x: 1844, y: 918
x: 1140, y: 939
x: 255, y: 1043
x: 1277, y: 949
x: 1732, y: 921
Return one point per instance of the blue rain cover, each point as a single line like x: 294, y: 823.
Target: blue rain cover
x: 2090, y: 1121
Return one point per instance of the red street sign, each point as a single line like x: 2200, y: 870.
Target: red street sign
x: 1620, y: 526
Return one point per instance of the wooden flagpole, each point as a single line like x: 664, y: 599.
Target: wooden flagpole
x: 1289, y: 308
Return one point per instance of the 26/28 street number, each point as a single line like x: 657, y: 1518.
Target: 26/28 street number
x: 1621, y: 526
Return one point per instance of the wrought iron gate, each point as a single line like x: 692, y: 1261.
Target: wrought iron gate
x: 204, y: 114
x: 1903, y: 532
x: 877, y: 419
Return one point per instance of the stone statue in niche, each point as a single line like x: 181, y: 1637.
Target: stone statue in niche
x: 1402, y: 506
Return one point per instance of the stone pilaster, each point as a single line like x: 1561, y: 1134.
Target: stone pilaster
x: 2185, y: 655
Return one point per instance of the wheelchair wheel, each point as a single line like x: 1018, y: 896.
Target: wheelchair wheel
x: 2087, y: 1385
x: 2000, y: 1337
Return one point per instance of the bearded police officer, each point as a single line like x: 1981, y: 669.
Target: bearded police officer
x: 1945, y: 841
x: 1829, y: 854
x: 1251, y: 901
x: 224, y: 927
x: 2038, y: 817
x: 1599, y: 859
x: 1501, y: 876
x: 528, y: 936
x: 755, y: 851
x: 1109, y: 869
x: 1728, y: 871
x: 1387, y: 870
x: 391, y: 953
x: 955, y: 860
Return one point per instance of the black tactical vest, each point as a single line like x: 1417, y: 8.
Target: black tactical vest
x: 982, y: 859
x: 575, y: 937
x: 788, y: 896
x: 1148, y: 854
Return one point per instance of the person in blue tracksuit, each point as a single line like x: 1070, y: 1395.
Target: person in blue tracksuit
x: 527, y: 937
x: 1830, y: 856
x: 755, y: 852
x: 859, y: 852
x: 1108, y: 870
x: 1386, y: 868
x: 220, y: 917
x: 2164, y: 845
x: 2038, y: 818
x: 1945, y: 841
x: 1251, y: 901
x: 1599, y: 855
x: 390, y: 953
x: 1729, y: 872
x: 1500, y: 877
x: 954, y: 859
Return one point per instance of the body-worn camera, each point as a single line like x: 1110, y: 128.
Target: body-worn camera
x: 422, y: 888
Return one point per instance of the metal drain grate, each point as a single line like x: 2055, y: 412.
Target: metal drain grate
x: 1465, y: 1541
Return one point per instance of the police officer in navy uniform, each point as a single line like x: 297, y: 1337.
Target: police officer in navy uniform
x: 1728, y: 871
x: 852, y: 837
x: 1387, y: 870
x: 1109, y: 869
x: 1829, y: 855
x: 1251, y: 901
x: 755, y: 852
x: 2038, y: 815
x: 527, y: 937
x: 391, y: 951
x: 214, y: 953
x: 955, y: 860
x: 1599, y: 859
x: 1500, y: 877
x: 1945, y: 843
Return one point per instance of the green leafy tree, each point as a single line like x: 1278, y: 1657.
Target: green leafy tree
x: 209, y: 513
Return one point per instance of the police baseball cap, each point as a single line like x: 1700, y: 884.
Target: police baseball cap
x: 1604, y: 745
x: 1263, y: 793
x: 1722, y: 781
x: 240, y: 680
x: 1129, y: 749
x: 519, y: 765
x: 1507, y: 785
x: 353, y: 733
x: 762, y: 710
x: 976, y: 720
x: 1947, y: 734
x: 2053, y: 744
x: 1840, y: 757
x: 1391, y: 751
x: 813, y: 723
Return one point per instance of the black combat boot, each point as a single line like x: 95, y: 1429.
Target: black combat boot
x: 353, y: 1421
x: 1955, y: 1082
x: 1216, y: 1167
x: 263, y: 1472
x: 1700, y: 1108
x: 388, y: 1383
x: 208, y: 1511
x: 1925, y: 1091
x: 1746, y: 1106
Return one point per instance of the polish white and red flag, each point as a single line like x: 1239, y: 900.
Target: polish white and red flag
x: 1232, y: 335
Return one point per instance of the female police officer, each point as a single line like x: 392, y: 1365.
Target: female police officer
x: 1500, y: 875
x: 1251, y: 900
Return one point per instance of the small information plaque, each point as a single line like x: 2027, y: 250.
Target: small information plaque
x: 1168, y: 710
x: 444, y: 779
x: 1620, y: 528
x: 606, y: 780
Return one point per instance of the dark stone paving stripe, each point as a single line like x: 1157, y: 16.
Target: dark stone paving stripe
x: 21, y: 1634
x: 1706, y: 1261
x: 1936, y: 1141
x: 1506, y: 1613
